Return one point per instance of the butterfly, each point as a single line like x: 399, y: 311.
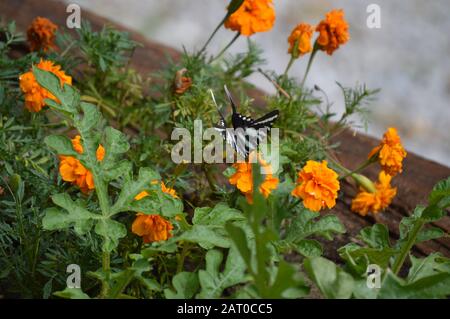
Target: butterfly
x: 247, y: 133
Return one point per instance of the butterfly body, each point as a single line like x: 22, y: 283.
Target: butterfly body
x: 246, y: 133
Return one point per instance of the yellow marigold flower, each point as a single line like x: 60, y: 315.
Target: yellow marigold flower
x: 41, y: 34
x: 152, y: 227
x: 333, y: 31
x: 34, y: 93
x: 366, y: 201
x: 301, y: 35
x: 243, y: 179
x: 318, y: 186
x: 71, y: 169
x: 390, y: 152
x: 164, y: 189
x: 251, y: 17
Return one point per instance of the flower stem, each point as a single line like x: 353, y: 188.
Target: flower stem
x: 308, y: 67
x: 212, y: 36
x: 226, y: 47
x: 359, y: 168
x: 291, y: 61
x: 406, y: 247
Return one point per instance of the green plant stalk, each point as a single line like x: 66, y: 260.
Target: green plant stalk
x: 308, y: 67
x: 226, y: 47
x: 102, y: 195
x: 362, y: 166
x: 406, y: 247
x: 212, y: 35
x: 291, y: 61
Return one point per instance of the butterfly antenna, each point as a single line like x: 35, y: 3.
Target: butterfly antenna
x: 215, y: 103
x: 233, y: 105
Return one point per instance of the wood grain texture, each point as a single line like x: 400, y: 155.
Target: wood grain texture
x: 414, y: 184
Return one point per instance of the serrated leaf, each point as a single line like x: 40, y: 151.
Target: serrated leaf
x: 212, y: 281
x: 332, y: 281
x: 60, y: 144
x: 309, y: 248
x: 423, y: 267
x: 131, y: 188
x: 75, y: 215
x: 440, y: 195
x: 206, y: 236
x: 68, y: 97
x: 219, y: 215
x: 91, y: 116
x: 305, y: 224
x: 185, y: 284
x: 429, y: 233
x: 111, y: 231
x: 376, y: 236
x: 434, y: 286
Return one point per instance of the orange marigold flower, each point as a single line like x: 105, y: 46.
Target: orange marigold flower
x: 333, y: 31
x: 34, y: 93
x: 164, y: 189
x: 182, y: 83
x: 243, y: 179
x: 76, y: 144
x: 41, y: 34
x: 251, y: 17
x: 301, y: 35
x: 366, y: 201
x: 152, y: 227
x: 318, y: 186
x: 71, y: 169
x: 390, y: 152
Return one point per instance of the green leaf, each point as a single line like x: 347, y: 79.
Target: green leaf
x: 219, y: 215
x: 120, y: 169
x: 185, y: 284
x: 91, y: 116
x: 434, y: 286
x: 358, y: 258
x: 239, y: 238
x: 120, y: 280
x: 429, y: 233
x: 287, y: 283
x: 376, y: 236
x: 332, y: 281
x: 131, y: 188
x: 212, y: 281
x: 305, y: 224
x: 75, y: 215
x: 206, y: 236
x: 71, y: 293
x: 440, y: 195
x: 423, y: 267
x: 116, y: 141
x: 61, y: 144
x: 111, y: 231
x: 309, y: 248
x: 67, y: 95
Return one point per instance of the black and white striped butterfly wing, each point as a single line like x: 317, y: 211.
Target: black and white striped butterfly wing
x: 266, y: 121
x: 250, y: 133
